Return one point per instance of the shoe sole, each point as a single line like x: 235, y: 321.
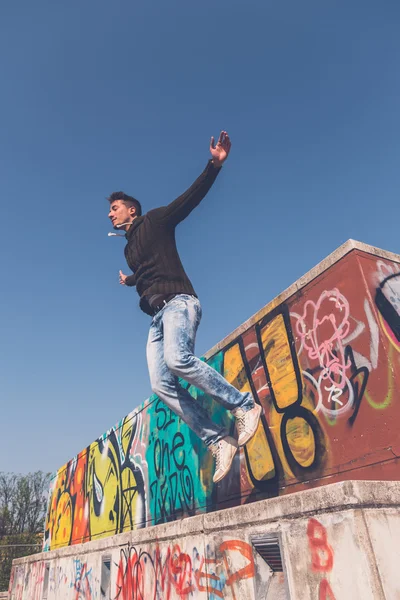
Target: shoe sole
x: 250, y: 435
x: 229, y: 466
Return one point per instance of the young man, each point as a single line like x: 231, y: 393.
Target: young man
x: 167, y: 295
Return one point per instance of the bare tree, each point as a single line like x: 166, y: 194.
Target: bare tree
x: 7, y: 507
x: 23, y: 500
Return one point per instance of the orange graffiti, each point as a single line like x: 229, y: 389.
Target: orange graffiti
x: 237, y: 546
x: 199, y: 574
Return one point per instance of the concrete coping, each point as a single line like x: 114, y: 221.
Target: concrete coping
x: 345, y: 495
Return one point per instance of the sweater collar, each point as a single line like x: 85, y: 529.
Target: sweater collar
x: 133, y: 227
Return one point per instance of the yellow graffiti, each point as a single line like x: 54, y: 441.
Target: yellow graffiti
x: 301, y: 441
x: 388, y: 333
x: 103, y: 490
x: 59, y: 518
x: 234, y: 369
x: 279, y: 362
x: 287, y: 388
x: 63, y: 520
x: 98, y: 493
x: 389, y: 396
x: 259, y: 452
x: 129, y: 500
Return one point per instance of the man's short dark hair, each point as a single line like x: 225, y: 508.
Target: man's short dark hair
x: 128, y: 200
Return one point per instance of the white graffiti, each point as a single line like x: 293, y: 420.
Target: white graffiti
x: 323, y: 329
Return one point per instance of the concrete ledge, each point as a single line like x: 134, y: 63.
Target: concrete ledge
x: 330, y: 498
x: 346, y: 495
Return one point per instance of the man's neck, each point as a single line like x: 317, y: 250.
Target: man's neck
x: 128, y: 226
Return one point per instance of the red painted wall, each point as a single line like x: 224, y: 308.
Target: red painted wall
x: 328, y: 378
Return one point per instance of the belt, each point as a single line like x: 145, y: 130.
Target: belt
x: 161, y: 303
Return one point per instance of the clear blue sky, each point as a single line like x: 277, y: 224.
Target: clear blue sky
x: 98, y: 96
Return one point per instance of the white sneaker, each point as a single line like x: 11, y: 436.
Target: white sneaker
x: 224, y: 452
x: 247, y: 422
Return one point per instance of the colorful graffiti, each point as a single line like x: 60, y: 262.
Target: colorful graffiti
x: 17, y: 583
x: 170, y: 572
x: 100, y: 492
x: 289, y: 438
x: 27, y: 582
x: 155, y: 572
x: 322, y: 364
x: 82, y: 584
x: 36, y: 576
x: 174, y: 488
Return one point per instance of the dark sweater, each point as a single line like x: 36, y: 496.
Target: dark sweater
x: 151, y: 251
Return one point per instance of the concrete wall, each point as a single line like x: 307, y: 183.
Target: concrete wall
x: 322, y: 359
x: 337, y: 542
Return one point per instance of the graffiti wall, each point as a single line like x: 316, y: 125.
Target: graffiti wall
x: 323, y: 365
x: 172, y: 571
x: 276, y: 551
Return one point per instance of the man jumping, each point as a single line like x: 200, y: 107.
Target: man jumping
x: 167, y: 295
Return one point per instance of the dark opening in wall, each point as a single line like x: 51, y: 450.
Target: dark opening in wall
x: 105, y: 584
x: 46, y: 581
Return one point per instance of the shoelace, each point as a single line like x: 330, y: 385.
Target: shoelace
x: 241, y: 423
x: 217, y: 454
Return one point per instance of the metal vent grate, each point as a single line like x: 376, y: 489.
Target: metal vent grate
x: 269, y: 549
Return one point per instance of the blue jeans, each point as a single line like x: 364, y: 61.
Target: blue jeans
x: 170, y: 355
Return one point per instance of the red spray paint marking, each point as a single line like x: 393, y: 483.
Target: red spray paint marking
x: 325, y: 591
x: 321, y: 556
x: 175, y: 574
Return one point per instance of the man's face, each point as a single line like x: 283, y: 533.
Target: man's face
x: 120, y: 213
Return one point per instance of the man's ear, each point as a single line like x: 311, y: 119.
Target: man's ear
x: 132, y: 211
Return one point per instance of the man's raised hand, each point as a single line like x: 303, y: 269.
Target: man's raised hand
x: 122, y: 278
x: 220, y: 151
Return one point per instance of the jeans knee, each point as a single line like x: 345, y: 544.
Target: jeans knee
x: 157, y: 388
x: 179, y: 364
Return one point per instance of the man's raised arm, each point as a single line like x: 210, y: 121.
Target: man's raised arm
x: 180, y: 208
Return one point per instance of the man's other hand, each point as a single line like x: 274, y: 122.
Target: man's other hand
x: 122, y: 278
x: 220, y: 151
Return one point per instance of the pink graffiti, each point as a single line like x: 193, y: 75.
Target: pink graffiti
x: 37, y: 578
x: 322, y: 329
x: 16, y: 588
